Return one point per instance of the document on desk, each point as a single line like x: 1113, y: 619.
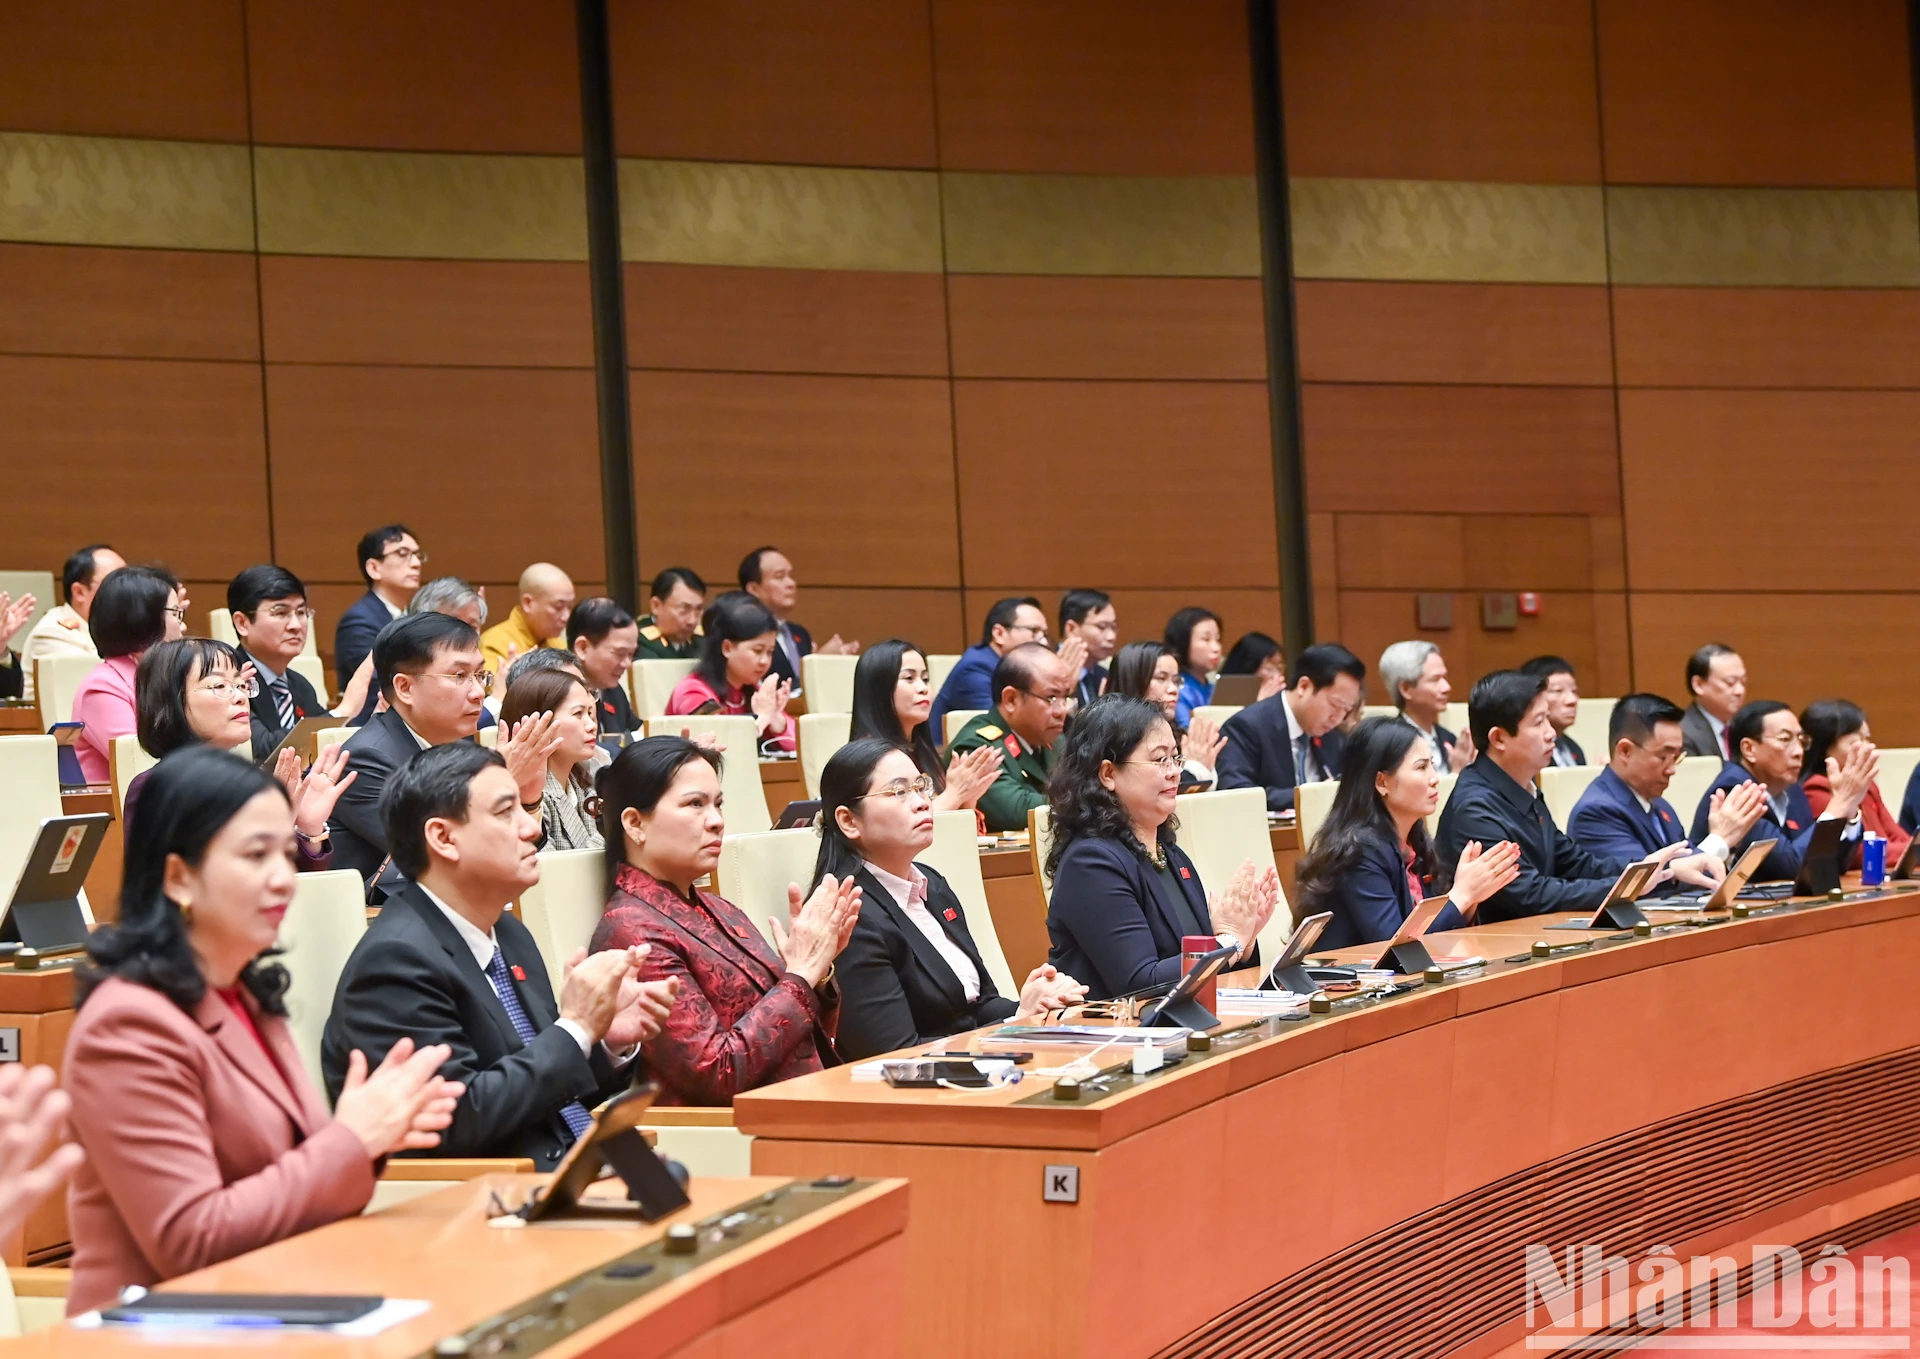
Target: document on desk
x: 1248, y: 1001
x: 1084, y: 1035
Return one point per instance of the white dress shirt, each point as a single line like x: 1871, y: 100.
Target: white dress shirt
x: 1441, y: 764
x: 955, y: 957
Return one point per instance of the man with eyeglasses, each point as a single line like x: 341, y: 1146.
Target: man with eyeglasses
x: 1622, y: 814
x: 390, y: 561
x: 1089, y: 615
x: 1011, y: 622
x: 1769, y: 747
x: 1035, y: 689
x: 1293, y: 738
x: 272, y: 620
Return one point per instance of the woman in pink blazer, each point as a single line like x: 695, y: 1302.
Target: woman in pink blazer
x: 734, y: 660
x: 204, y: 1138
x: 142, y: 609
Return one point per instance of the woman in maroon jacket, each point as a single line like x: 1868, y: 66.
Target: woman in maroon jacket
x: 749, y: 1014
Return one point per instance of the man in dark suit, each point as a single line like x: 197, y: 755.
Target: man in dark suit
x: 1769, y: 748
x: 1563, y: 706
x: 603, y: 639
x: 1622, y: 814
x: 1010, y: 623
x: 1717, y: 678
x: 445, y: 963
x: 1415, y: 675
x: 390, y: 561
x: 272, y: 620
x: 1290, y: 739
x: 767, y: 575
x: 1089, y: 615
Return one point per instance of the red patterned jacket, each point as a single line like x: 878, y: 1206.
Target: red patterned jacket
x: 742, y: 1021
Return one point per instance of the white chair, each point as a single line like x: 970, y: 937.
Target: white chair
x: 1219, y: 713
x: 32, y: 1300
x: 1378, y: 710
x: 1562, y: 788
x: 317, y: 936
x: 1896, y: 768
x: 29, y: 794
x: 953, y: 719
x: 652, y: 682
x: 710, y: 1148
x: 126, y: 759
x: 1446, y: 791
x: 755, y: 868
x: 827, y: 681
x: 44, y: 589
x: 1311, y: 803
x: 939, y: 666
x: 55, y: 681
x: 1222, y: 830
x: 331, y: 736
x: 488, y: 737
x: 1040, y: 844
x: 955, y: 855
x: 562, y: 910
x: 314, y: 671
x: 1589, y: 730
x: 1691, y: 779
x: 740, y: 787
x: 820, y: 735
x: 220, y: 627
x: 1454, y: 718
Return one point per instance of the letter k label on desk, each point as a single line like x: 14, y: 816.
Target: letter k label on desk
x: 1061, y: 1184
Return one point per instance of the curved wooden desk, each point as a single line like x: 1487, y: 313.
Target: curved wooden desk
x: 1381, y: 1171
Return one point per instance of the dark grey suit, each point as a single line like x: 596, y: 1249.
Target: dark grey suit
x: 1698, y: 732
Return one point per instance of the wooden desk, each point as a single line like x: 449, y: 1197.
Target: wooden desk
x: 820, y: 1286
x: 1385, y: 1166
x: 40, y: 1006
x: 103, y: 879
x: 20, y: 720
x: 782, y: 782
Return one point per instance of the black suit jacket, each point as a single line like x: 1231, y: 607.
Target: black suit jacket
x: 896, y: 990
x: 1259, y: 753
x: 784, y: 668
x: 267, y: 730
x: 1565, y: 742
x: 1090, y: 685
x: 374, y: 752
x: 412, y: 975
x: 1555, y: 873
x: 1111, y: 925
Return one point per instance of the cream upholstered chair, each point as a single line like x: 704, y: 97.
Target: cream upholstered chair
x: 1222, y: 830
x: 314, y: 671
x: 955, y: 855
x: 1589, y: 729
x: 1219, y: 712
x: 1691, y: 779
x: 1379, y: 710
x: 331, y: 736
x: 652, y: 682
x: 953, y: 719
x: 1896, y: 768
x: 939, y: 666
x: 55, y: 681
x: 563, y: 908
x: 827, y: 682
x: 29, y: 794
x: 32, y: 1299
x: 1039, y: 843
x: 1446, y: 791
x: 317, y: 935
x: 126, y: 759
x: 488, y: 737
x: 1454, y: 718
x: 820, y: 735
x: 745, y: 798
x: 1311, y: 803
x: 703, y: 1140
x: 756, y: 867
x: 1562, y: 788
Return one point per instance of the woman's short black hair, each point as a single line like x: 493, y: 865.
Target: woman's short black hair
x: 1825, y: 721
x: 129, y: 611
x: 1250, y: 653
x: 1110, y: 728
x: 1133, y: 667
x: 160, y: 690
x: 842, y: 784
x: 189, y: 797
x: 874, y: 679
x: 638, y: 778
x: 734, y: 617
x: 1359, y: 815
x: 1179, y: 636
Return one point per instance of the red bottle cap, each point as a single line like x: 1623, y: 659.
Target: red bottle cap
x: 1198, y: 943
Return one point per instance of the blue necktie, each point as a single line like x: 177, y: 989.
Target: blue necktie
x: 578, y: 1119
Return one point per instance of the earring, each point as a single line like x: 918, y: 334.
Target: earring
x: 186, y: 912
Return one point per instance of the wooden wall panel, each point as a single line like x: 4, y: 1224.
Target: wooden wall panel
x: 459, y: 313
x: 1143, y: 614
x: 1475, y: 552
x: 928, y: 618
x: 1767, y: 337
x: 1372, y: 620
x: 163, y: 459
x: 1399, y: 551
x: 429, y: 75
x: 1064, y: 482
x: 830, y: 82
x: 785, y: 320
x: 1107, y: 327
x: 1435, y: 448
x: 124, y: 68
x: 493, y: 468
x: 1768, y: 490
x: 1122, y: 87
x: 1453, y: 332
x: 851, y: 476
x: 88, y: 300
x: 1498, y: 90
x: 1773, y: 92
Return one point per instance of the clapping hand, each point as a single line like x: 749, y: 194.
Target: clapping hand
x: 14, y: 614
x: 1073, y: 655
x: 971, y: 774
x: 1204, y: 741
x: 1246, y: 905
x: 821, y: 926
x: 642, y: 1005
x: 1852, y: 778
x: 1734, y: 812
x: 405, y: 1105
x: 32, y: 1112
x: 1481, y: 873
x: 833, y: 646
x: 526, y: 749
x: 1462, y: 753
x: 355, y: 697
x: 770, y: 707
x: 1047, y: 989
x: 313, y: 796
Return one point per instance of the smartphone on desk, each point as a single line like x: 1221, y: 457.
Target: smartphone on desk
x: 928, y: 1075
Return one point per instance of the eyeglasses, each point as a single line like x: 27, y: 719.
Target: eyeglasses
x: 285, y: 613
x: 1065, y: 703
x: 902, y: 787
x: 1168, y: 764
x: 1787, y: 740
x: 179, y: 611
x: 405, y: 554
x: 462, y: 678
x: 226, y: 689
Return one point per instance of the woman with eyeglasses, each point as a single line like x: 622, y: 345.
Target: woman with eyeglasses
x: 734, y: 660
x: 910, y: 972
x: 194, y: 691
x: 892, y: 698
x: 1124, y: 893
x: 1193, y: 636
x: 1835, y: 729
x: 1149, y: 670
x: 569, y: 808
x: 137, y: 607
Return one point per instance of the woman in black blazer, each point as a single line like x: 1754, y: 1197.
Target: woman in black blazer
x: 1124, y: 895
x: 1372, y: 861
x: 910, y: 972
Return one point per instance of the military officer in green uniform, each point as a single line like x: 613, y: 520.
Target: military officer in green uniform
x: 671, y: 629
x: 1034, y: 698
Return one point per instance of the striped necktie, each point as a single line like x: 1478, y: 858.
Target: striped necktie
x: 578, y: 1119
x: 283, y: 701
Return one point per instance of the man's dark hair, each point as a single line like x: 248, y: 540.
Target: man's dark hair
x: 1700, y: 663
x: 749, y: 567
x: 1546, y: 667
x: 1501, y: 700
x: 374, y: 544
x: 1016, y: 669
x: 79, y: 569
x: 1002, y: 614
x: 130, y: 612
x: 256, y: 585
x: 438, y: 782
x: 594, y: 618
x: 408, y: 644
x: 1075, y: 605
x: 1750, y: 723
x: 1635, y: 717
x: 1324, y: 663
x: 684, y: 575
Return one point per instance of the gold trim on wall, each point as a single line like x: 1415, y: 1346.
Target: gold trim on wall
x: 124, y: 192
x: 1765, y: 238
x: 1194, y: 226
x: 1387, y: 229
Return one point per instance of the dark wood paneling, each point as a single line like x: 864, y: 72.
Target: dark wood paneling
x: 1767, y: 337
x: 163, y: 459
x: 1453, y: 332
x: 785, y: 320
x: 124, y: 68
x: 830, y: 82
x: 89, y: 300
x: 452, y: 312
x: 1107, y: 327
x: 1461, y: 449
x: 853, y: 477
x: 1771, y: 92
x: 1094, y: 86
x: 428, y: 75
x: 1130, y: 484
x: 1498, y: 90
x: 1768, y: 490
x: 493, y: 468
